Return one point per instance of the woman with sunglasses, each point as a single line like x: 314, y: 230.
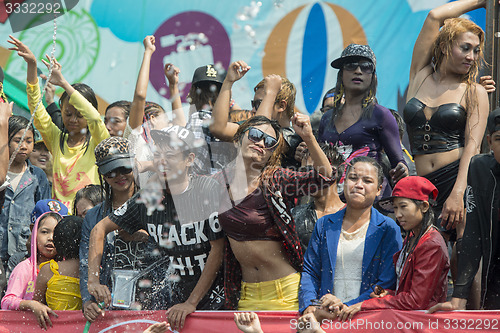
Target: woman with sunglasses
x: 114, y: 165
x: 446, y: 109
x: 263, y: 257
x: 356, y: 123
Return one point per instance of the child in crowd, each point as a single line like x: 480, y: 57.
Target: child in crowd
x: 28, y: 184
x: 58, y: 283
x: 116, y: 117
x: 71, y: 148
x: 87, y: 198
x: 41, y: 157
x: 21, y: 287
x: 422, y: 265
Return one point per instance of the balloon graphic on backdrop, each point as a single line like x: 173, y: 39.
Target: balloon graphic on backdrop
x: 188, y: 40
x: 328, y: 30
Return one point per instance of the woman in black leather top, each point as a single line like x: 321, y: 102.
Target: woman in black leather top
x: 446, y: 110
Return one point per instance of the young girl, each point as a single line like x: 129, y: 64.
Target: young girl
x: 422, y: 265
x: 116, y: 117
x: 28, y: 184
x: 74, y: 164
x: 87, y: 198
x: 21, y: 287
x: 57, y: 284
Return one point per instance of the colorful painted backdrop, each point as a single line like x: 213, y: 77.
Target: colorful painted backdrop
x: 99, y: 42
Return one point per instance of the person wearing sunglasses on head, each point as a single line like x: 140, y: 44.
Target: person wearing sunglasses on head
x: 263, y: 257
x: 113, y: 160
x: 356, y: 123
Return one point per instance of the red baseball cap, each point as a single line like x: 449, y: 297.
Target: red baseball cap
x: 412, y: 187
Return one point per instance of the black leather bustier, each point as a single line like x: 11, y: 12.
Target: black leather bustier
x: 444, y: 131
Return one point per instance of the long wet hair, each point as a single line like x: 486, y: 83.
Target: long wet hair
x: 89, y: 95
x: 369, y: 99
x: 274, y: 161
x: 442, y: 49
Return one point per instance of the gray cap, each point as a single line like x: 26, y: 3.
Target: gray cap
x: 354, y: 51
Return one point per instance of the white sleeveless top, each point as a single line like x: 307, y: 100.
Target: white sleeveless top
x: 348, y: 266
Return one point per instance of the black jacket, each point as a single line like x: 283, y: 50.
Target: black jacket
x: 480, y: 238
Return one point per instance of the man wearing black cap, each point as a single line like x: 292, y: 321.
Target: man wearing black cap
x: 205, y: 88
x: 481, y: 239
x: 182, y: 222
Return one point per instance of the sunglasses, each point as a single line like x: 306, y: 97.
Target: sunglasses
x: 366, y: 67
x: 256, y: 104
x: 256, y: 135
x: 115, y: 172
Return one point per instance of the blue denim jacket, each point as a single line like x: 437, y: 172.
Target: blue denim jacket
x: 93, y: 217
x: 15, y: 218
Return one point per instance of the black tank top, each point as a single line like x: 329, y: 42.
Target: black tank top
x: 444, y: 131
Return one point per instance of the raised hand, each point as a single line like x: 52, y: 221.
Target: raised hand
x: 149, y: 43
x: 22, y: 50
x: 56, y: 78
x: 172, y: 74
x: 302, y: 126
x: 236, y: 71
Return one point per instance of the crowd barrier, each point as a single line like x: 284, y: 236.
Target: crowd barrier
x: 271, y: 321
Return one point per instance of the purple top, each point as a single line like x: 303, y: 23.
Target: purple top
x: 380, y: 132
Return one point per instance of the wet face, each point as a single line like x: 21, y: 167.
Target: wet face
x: 72, y: 119
x: 361, y: 185
x: 357, y: 75
x: 464, y: 53
x: 44, y: 237
x: 40, y: 156
x: 25, y: 148
x: 409, y: 214
x: 120, y: 180
x: 494, y: 143
x: 115, y: 121
x: 172, y: 164
x: 83, y: 206
x: 256, y: 152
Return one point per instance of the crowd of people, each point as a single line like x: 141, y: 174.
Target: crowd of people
x: 259, y: 209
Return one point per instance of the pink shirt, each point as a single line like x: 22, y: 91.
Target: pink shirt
x: 21, y: 285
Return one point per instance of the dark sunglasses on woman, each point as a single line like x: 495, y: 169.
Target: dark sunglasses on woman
x: 115, y: 172
x: 366, y: 67
x: 256, y: 135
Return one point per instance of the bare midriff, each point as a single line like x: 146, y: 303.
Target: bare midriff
x: 428, y: 163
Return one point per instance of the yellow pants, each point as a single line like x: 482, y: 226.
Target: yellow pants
x: 277, y: 295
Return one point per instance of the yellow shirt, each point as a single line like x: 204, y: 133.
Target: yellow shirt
x: 63, y: 292
x: 74, y: 168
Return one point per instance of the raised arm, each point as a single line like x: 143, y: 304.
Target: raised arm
x: 141, y: 87
x: 172, y: 74
x: 302, y: 126
x: 220, y: 126
x: 272, y: 86
x: 96, y: 245
x: 435, y: 19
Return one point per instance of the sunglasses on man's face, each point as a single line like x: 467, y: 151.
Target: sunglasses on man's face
x: 256, y: 104
x: 366, y: 67
x: 117, y: 171
x: 256, y: 135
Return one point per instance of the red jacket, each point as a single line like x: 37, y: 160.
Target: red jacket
x: 423, y: 280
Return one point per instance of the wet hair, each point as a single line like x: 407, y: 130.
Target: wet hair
x: 67, y: 236
x: 124, y: 105
x: 368, y: 101
x: 89, y: 95
x: 442, y: 49
x: 18, y: 123
x: 91, y: 192
x: 287, y: 93
x: 204, y: 93
x: 152, y: 109
x: 369, y: 160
